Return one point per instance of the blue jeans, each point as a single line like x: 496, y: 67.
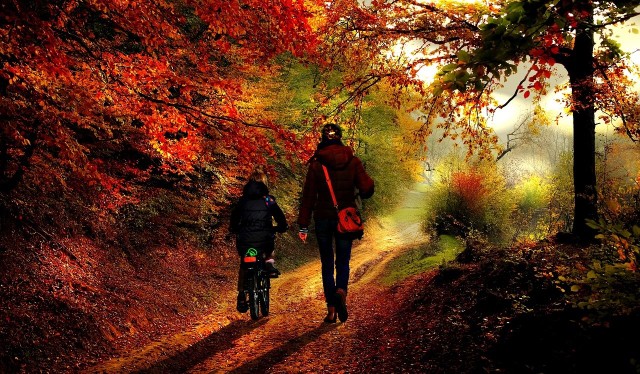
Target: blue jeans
x: 326, y: 233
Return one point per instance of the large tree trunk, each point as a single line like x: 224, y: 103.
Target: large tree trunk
x: 581, y: 72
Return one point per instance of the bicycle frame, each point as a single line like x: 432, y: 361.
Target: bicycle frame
x: 256, y: 285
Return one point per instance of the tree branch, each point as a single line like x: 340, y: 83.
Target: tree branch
x: 363, y: 86
x: 515, y: 93
x: 617, y: 104
x: 437, y: 10
x: 199, y: 111
x: 514, y: 136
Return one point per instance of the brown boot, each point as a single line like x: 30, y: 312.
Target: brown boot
x: 331, y: 315
x: 341, y: 304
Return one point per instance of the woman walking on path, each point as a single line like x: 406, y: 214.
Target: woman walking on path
x: 346, y: 173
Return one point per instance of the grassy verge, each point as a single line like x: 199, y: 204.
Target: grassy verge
x: 444, y: 249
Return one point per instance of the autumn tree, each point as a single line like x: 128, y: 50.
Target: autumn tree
x: 477, y: 47
x: 97, y: 96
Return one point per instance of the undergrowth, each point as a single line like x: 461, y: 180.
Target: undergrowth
x: 505, y: 310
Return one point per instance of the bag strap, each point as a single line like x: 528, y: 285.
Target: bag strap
x: 333, y: 195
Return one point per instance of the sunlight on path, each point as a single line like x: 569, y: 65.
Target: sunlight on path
x: 388, y: 236
x: 293, y: 338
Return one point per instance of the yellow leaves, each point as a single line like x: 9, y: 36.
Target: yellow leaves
x: 613, y: 205
x: 576, y: 288
x: 161, y: 147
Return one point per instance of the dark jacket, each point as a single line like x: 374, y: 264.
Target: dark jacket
x: 346, y: 173
x: 252, y: 218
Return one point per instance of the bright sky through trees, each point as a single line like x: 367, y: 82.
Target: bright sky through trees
x: 553, y: 102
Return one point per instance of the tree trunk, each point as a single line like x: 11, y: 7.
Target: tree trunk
x: 581, y: 74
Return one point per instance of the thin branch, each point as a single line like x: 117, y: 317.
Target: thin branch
x: 49, y: 237
x: 515, y: 93
x: 513, y: 137
x: 437, y: 10
x: 362, y: 87
x: 200, y: 111
x: 411, y: 32
x: 504, y: 153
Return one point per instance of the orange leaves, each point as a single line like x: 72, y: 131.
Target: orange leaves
x: 469, y: 186
x: 116, y: 90
x: 258, y: 30
x: 230, y: 110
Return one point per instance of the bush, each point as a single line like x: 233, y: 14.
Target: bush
x: 531, y: 218
x: 625, y: 242
x: 466, y: 198
x: 619, y: 183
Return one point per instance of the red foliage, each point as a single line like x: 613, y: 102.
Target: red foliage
x: 123, y: 134
x: 105, y: 93
x: 469, y: 186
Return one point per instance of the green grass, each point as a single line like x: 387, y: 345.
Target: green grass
x: 444, y: 249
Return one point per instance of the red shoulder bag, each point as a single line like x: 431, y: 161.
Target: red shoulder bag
x: 349, y: 220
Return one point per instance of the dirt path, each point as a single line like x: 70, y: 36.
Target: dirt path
x: 293, y: 338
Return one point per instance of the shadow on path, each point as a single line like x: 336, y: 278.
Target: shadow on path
x: 205, y: 348
x: 262, y: 363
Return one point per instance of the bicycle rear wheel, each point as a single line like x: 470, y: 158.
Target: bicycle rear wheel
x: 264, y: 302
x: 254, y: 300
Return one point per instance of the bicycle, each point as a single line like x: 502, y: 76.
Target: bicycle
x: 257, y: 282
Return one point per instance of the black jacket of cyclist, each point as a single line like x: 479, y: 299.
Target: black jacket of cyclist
x: 252, y: 222
x: 252, y: 219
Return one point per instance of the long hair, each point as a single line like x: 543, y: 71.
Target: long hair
x: 259, y: 175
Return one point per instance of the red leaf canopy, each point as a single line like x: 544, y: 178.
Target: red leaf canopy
x: 101, y: 92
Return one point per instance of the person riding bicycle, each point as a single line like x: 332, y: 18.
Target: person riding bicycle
x: 347, y: 173
x: 252, y: 223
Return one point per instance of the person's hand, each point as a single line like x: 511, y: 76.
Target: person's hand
x: 303, y: 233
